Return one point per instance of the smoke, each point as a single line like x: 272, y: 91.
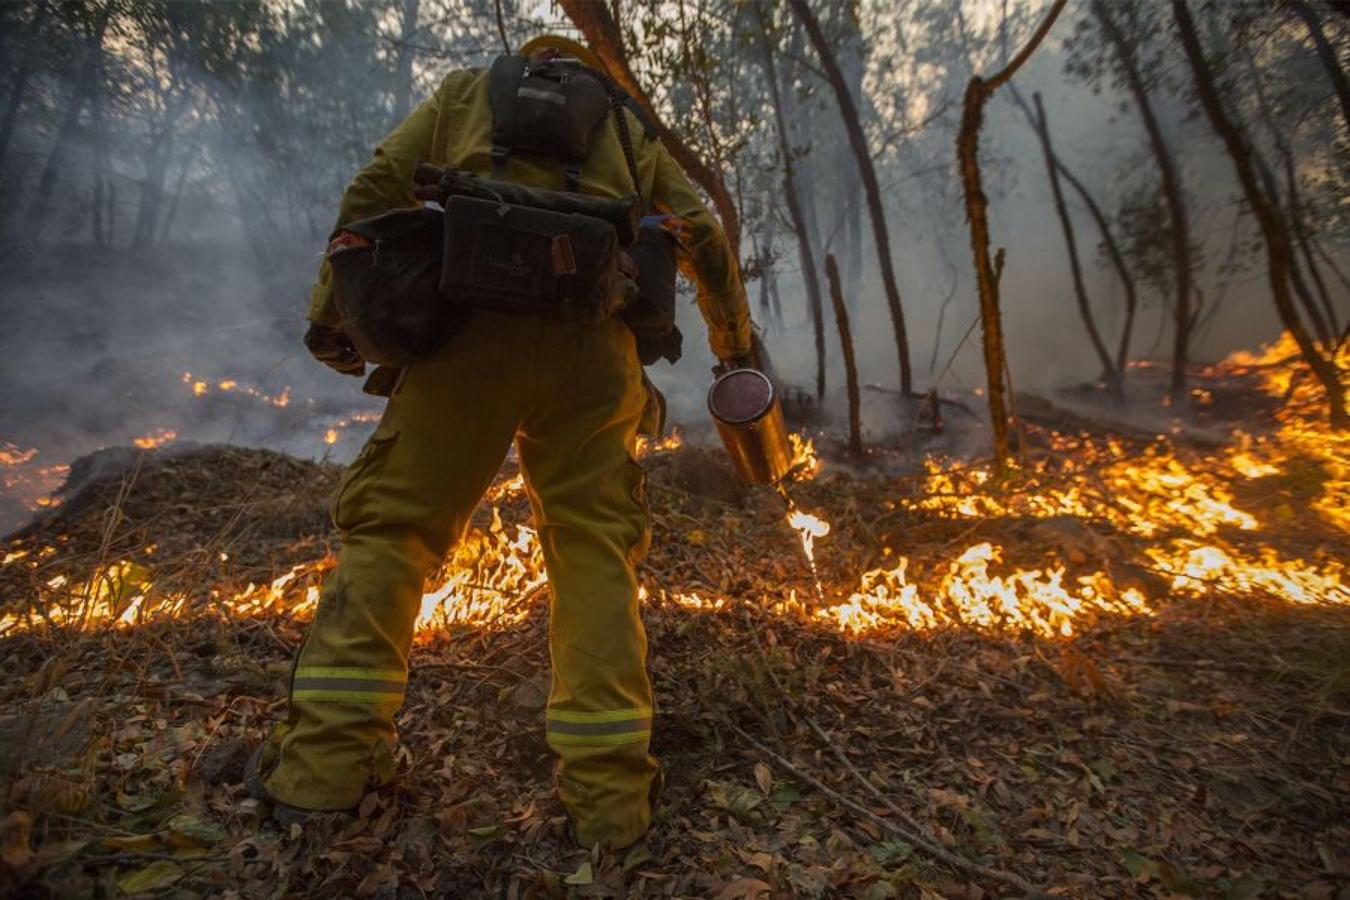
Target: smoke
x: 105, y: 343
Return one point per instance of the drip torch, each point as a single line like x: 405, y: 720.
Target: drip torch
x: 749, y: 418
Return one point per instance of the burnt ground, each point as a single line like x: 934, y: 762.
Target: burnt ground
x: 1202, y: 751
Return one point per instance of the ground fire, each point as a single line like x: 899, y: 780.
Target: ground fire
x: 675, y: 448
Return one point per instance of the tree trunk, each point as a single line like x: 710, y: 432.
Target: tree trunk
x: 1172, y: 192
x: 1319, y: 323
x: 858, y: 142
x: 850, y: 361
x: 21, y: 76
x: 102, y: 236
x: 177, y: 195
x: 602, y: 33
x: 1327, y: 54
x: 1279, y: 250
x: 1117, y: 258
x: 156, y: 172
x: 403, y: 64
x: 1295, y: 207
x: 987, y: 271
x: 40, y: 205
x: 853, y: 256
x: 793, y: 201
x: 1075, y: 268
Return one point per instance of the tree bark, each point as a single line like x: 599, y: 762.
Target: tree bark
x: 40, y: 205
x: 1172, y: 192
x: 793, y: 201
x: 1279, y: 249
x: 987, y: 271
x: 858, y: 142
x: 1319, y: 323
x: 850, y: 361
x: 21, y: 76
x: 1327, y: 54
x: 1117, y: 258
x: 1075, y: 268
x: 604, y: 37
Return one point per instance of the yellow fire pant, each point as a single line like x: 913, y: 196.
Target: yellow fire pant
x: 570, y: 394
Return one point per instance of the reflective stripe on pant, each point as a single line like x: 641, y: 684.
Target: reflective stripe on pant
x: 570, y: 395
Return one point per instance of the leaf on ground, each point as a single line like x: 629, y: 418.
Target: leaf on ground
x: 134, y: 843
x: 744, y: 889
x: 188, y: 831
x: 154, y: 877
x: 582, y: 875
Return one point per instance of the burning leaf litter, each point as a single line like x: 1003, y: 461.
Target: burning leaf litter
x: 1114, y: 672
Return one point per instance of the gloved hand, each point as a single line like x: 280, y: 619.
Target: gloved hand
x: 334, y: 349
x: 427, y: 182
x: 733, y: 363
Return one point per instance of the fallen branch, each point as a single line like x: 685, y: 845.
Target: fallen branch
x: 918, y: 841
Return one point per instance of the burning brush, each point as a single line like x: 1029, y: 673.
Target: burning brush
x: 749, y: 417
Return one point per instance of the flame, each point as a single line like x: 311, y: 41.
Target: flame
x: 672, y: 441
x: 805, y: 463
x: 330, y: 436
x: 1196, y: 519
x: 808, y: 528
x: 506, y: 488
x: 200, y: 387
x: 24, y: 477
x: 156, y: 439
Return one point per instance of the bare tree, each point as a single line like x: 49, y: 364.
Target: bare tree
x: 850, y: 360
x: 1125, y: 52
x: 80, y: 94
x: 1113, y: 252
x: 31, y: 45
x: 987, y: 271
x: 1109, y: 372
x: 1274, y: 230
x: 848, y: 111
x: 792, y: 199
x: 1326, y: 53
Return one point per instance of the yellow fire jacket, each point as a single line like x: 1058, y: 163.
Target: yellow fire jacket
x: 454, y: 129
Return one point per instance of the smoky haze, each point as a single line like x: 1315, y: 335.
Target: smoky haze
x: 170, y: 172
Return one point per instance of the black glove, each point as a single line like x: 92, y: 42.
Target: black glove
x: 334, y: 349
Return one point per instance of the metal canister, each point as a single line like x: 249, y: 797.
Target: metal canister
x: 745, y: 408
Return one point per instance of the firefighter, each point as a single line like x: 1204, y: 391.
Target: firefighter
x: 571, y: 395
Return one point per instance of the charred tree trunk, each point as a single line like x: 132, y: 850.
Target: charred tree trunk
x: 1109, y: 372
x: 853, y: 256
x: 70, y: 120
x: 987, y: 271
x: 1327, y: 54
x: 858, y: 142
x: 850, y: 361
x: 1305, y: 298
x: 602, y: 33
x: 1172, y: 192
x: 1296, y: 223
x: 794, y: 205
x: 403, y: 64
x: 1117, y: 258
x: 1279, y: 249
x: 21, y: 76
